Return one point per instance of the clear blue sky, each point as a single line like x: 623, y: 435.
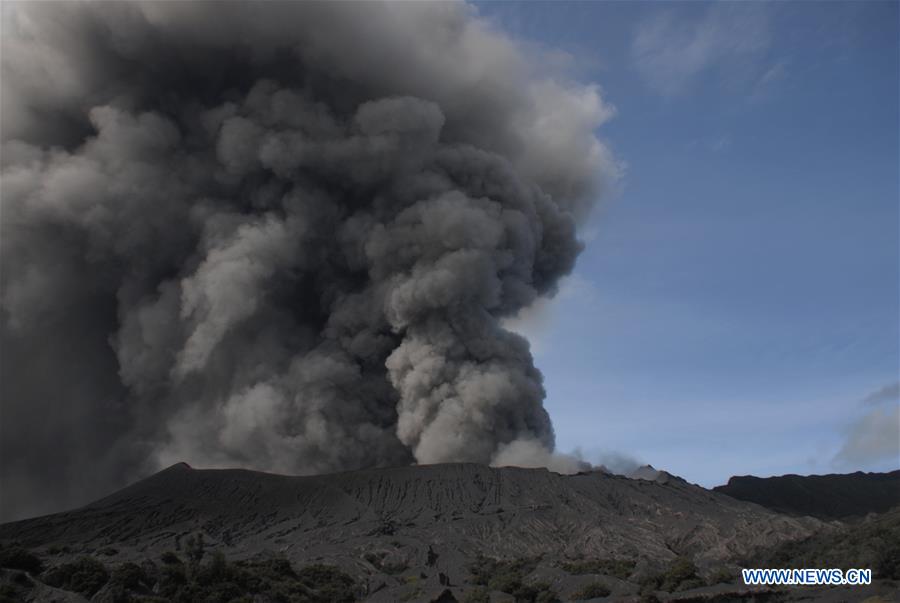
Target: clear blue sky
x: 736, y: 308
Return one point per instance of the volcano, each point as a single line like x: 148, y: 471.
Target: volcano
x: 425, y: 525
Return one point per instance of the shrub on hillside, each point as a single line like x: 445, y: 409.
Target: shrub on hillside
x: 495, y: 572
x: 327, y: 582
x: 479, y: 594
x: 680, y: 575
x: 619, y: 568
x: 723, y: 575
x: 195, y: 549
x: 680, y: 571
x: 131, y: 576
x: 887, y: 560
x: 873, y: 543
x: 510, y: 577
x: 593, y: 590
x: 21, y: 559
x: 208, y: 578
x: 84, y: 576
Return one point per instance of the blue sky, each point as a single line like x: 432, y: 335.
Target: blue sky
x: 736, y: 308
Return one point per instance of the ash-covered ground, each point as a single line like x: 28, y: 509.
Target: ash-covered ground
x: 462, y: 532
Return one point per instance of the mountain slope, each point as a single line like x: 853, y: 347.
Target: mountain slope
x: 824, y: 496
x: 456, y: 509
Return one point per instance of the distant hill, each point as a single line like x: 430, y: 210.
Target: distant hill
x: 834, y: 496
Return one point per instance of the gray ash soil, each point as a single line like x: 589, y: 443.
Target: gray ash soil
x: 419, y: 533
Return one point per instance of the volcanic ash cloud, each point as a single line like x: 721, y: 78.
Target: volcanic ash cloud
x: 280, y: 236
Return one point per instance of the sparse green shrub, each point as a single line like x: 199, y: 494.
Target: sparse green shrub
x: 479, y: 594
x: 887, y: 561
x: 130, y: 576
x: 222, y: 591
x: 218, y: 570
x: 506, y: 580
x: 414, y: 594
x: 328, y: 582
x: 17, y: 589
x: 691, y: 583
x: 172, y: 579
x: 267, y: 571
x: 619, y: 568
x: 9, y: 594
x: 680, y: 571
x: 591, y: 591
x: 195, y: 549
x: 395, y: 567
x: 58, y: 550
x: 485, y: 570
x: 278, y: 567
x: 873, y: 543
x: 509, y: 577
x: 722, y: 575
x: 84, y: 576
x: 212, y: 580
x: 536, y: 592
x: 21, y: 559
x: 650, y: 583
x: 680, y: 575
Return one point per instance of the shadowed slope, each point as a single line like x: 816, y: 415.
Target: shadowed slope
x: 458, y: 509
x: 832, y: 496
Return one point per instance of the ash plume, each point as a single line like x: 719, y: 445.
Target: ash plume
x: 279, y: 236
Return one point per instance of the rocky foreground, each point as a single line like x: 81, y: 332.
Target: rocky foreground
x: 442, y: 532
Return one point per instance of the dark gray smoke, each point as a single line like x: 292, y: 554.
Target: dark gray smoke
x: 280, y: 236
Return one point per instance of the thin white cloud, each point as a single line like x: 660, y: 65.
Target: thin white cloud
x: 766, y: 83
x: 720, y: 144
x: 712, y: 144
x: 671, y: 52
x: 776, y: 72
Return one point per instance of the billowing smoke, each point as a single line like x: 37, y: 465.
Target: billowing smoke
x: 279, y: 236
